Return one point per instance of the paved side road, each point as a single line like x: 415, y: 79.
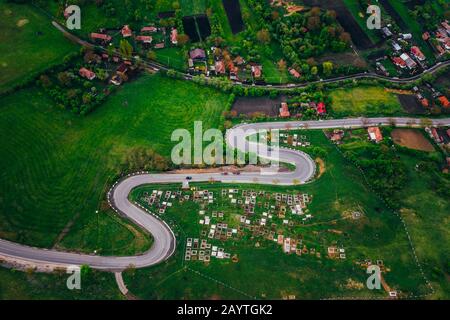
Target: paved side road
x: 368, y: 75
x: 164, y: 239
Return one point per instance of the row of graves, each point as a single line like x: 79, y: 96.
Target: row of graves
x: 294, y: 140
x: 227, y: 216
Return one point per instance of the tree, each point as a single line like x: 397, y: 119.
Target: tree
x: 281, y: 65
x: 64, y: 78
x: 182, y: 39
x: 314, y: 70
x: 125, y: 48
x: 151, y: 55
x: 327, y: 67
x: 263, y: 36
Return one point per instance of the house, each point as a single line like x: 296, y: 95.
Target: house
x: 444, y: 101
x: 294, y: 73
x: 425, y: 103
x: 122, y: 69
x: 446, y: 26
x: 159, y: 45
x: 197, y: 54
x: 375, y: 134
x: 174, y: 36
x: 396, y: 46
x: 284, y: 110
x: 239, y: 60
x: 86, y: 73
x: 220, y: 67
x: 426, y: 36
x: 100, y: 36
x: 440, y: 50
x: 447, y: 44
x: 410, y: 63
x: 321, y: 108
x: 126, y: 31
x: 116, y: 80
x: 406, y: 36
x: 144, y: 39
x: 399, y: 62
x: 415, y: 51
x: 386, y: 32
x: 256, y: 71
x: 337, y: 135
x: 436, y: 135
x: 149, y: 29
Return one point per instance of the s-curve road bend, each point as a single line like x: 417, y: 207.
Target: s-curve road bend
x: 164, y: 239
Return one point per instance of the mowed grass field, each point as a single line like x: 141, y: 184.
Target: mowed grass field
x: 28, y: 44
x: 364, y: 101
x: 55, y: 167
x: 265, y: 272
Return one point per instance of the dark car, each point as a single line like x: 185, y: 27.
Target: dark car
x: 188, y: 178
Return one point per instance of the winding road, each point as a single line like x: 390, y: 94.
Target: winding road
x: 164, y: 239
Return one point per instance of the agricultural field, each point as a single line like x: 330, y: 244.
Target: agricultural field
x: 364, y: 101
x: 411, y: 139
x: 29, y: 32
x: 52, y: 159
x: 342, y: 212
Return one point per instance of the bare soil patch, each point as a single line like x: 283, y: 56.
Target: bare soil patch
x: 248, y: 106
x: 412, y: 139
x: 410, y: 104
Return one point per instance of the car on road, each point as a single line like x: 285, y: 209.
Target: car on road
x: 188, y: 178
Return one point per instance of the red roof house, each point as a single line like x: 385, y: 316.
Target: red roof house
x: 197, y: 54
x: 144, y: 39
x: 399, y: 62
x: 294, y: 73
x: 256, y: 71
x: 417, y: 53
x: 321, y: 108
x: 149, y: 29
x: 284, y: 110
x: 100, y: 36
x: 126, y: 31
x: 220, y: 67
x: 375, y: 134
x: 86, y: 73
x: 436, y: 135
x: 173, y: 36
x: 444, y: 101
x: 425, y: 103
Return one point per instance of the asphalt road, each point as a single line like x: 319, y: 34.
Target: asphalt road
x: 367, y: 75
x: 164, y: 239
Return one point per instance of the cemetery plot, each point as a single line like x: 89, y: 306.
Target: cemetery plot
x: 255, y: 216
x: 255, y: 239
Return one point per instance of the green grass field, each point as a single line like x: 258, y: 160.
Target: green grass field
x: 29, y: 44
x: 17, y: 285
x: 364, y: 101
x: 56, y: 167
x: 265, y: 271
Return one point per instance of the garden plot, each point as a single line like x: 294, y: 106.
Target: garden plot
x: 256, y: 216
x: 412, y: 139
x: 233, y: 11
x: 347, y: 21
